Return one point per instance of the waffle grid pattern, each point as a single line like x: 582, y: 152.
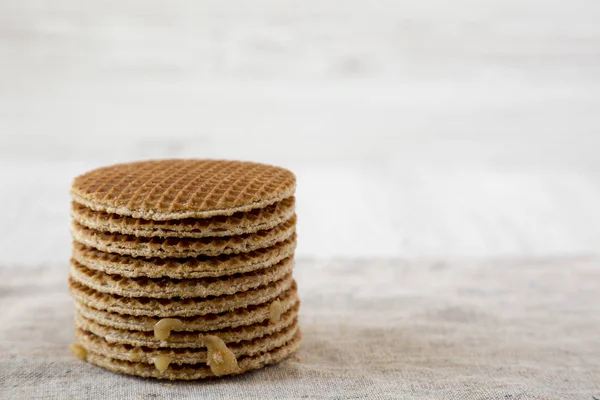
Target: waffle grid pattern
x: 236, y: 224
x: 183, y: 288
x: 196, y: 371
x: 182, y: 247
x: 186, y: 339
x: 176, y: 189
x: 181, y: 268
x: 176, y: 307
x: 185, y: 355
x: 234, y: 318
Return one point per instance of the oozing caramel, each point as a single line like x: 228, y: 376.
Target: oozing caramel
x: 78, y: 351
x: 220, y: 359
x: 162, y: 361
x: 275, y: 311
x: 163, y: 328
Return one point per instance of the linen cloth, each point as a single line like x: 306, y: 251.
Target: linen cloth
x: 381, y: 329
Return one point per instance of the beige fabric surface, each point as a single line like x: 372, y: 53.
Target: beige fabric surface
x: 372, y: 329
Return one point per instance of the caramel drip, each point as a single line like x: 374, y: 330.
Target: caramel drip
x: 162, y: 329
x: 220, y: 359
x: 162, y: 361
x: 78, y: 351
x: 275, y: 311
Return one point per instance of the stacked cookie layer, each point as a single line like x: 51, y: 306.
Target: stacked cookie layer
x: 182, y: 269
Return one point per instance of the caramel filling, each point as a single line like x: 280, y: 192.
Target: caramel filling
x: 78, y: 351
x: 220, y: 359
x: 162, y: 329
x: 162, y: 361
x: 275, y: 311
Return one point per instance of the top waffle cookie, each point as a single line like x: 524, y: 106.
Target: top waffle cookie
x: 174, y: 189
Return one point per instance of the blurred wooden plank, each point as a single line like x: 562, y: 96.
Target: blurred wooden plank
x: 416, y: 129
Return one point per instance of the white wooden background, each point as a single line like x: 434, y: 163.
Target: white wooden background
x: 417, y: 129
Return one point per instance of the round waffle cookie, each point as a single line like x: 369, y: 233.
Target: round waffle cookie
x: 176, y: 189
x: 195, y: 371
x: 182, y: 269
x: 177, y: 307
x: 187, y: 339
x: 234, y: 318
x: 183, y: 288
x: 238, y: 223
x: 185, y: 355
x: 182, y: 247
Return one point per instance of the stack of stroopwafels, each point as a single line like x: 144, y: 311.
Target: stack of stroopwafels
x: 182, y: 269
